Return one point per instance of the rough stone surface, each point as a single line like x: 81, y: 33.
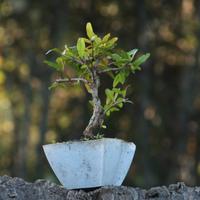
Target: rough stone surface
x: 18, y: 189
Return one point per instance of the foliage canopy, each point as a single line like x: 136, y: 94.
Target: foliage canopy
x: 90, y: 58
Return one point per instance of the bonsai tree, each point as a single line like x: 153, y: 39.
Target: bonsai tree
x: 91, y: 58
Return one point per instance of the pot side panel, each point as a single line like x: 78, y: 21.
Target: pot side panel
x: 74, y: 163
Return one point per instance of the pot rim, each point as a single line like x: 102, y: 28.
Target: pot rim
x: 86, y: 141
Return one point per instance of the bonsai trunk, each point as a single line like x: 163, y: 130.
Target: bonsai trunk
x: 97, y: 118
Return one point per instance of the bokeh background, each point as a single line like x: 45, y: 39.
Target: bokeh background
x: 164, y: 121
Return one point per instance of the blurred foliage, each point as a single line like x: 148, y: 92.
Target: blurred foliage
x: 164, y: 121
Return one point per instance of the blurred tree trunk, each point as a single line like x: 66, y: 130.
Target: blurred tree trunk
x: 45, y: 95
x: 23, y: 135
x: 58, y: 26
x: 197, y: 84
x: 185, y: 157
x: 16, y: 134
x: 144, y: 82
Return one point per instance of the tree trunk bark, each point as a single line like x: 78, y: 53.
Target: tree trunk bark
x: 97, y: 117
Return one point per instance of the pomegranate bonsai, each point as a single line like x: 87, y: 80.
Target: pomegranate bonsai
x: 92, y: 57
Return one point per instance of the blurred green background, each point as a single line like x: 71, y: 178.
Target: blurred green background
x: 164, y: 121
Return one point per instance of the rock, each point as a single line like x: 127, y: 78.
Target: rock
x: 18, y: 189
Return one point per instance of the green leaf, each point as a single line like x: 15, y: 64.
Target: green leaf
x: 120, y: 78
x: 124, y: 55
x: 120, y: 105
x: 141, y: 59
x: 109, y: 93
x: 123, y: 92
x: 87, y: 41
x: 81, y: 47
x: 120, y: 100
x: 135, y: 67
x: 132, y: 53
x: 59, y: 61
x: 114, y: 109
x: 88, y: 88
x: 84, y: 66
x: 116, y: 57
x: 106, y: 37
x: 108, y: 113
x: 97, y: 40
x: 89, y: 30
x: 52, y: 64
x: 116, y: 90
x: 116, y: 80
x: 112, y: 41
x: 115, y: 96
x: 103, y: 126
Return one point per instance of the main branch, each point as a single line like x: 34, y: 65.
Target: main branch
x: 98, y: 116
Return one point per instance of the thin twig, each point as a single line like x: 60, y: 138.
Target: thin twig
x: 116, y: 103
x: 110, y: 69
x: 114, y: 68
x: 71, y: 80
x: 76, y: 60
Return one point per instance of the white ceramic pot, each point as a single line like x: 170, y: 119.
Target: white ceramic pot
x: 93, y: 163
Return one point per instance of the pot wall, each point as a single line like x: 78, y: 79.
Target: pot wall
x: 94, y: 163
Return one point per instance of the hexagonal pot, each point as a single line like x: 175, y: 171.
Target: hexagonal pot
x: 93, y: 163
